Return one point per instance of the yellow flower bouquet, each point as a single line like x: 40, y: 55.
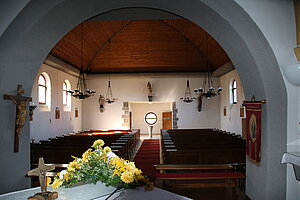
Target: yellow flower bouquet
x: 101, y: 164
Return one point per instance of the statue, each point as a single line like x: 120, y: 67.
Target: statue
x: 199, y: 105
x: 101, y: 103
x: 21, y: 113
x: 149, y: 91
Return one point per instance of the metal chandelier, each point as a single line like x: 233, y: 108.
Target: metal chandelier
x: 81, y: 91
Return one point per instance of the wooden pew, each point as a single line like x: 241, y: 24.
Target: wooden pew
x: 174, y: 167
x: 197, y: 176
x: 60, y: 149
x: 219, y: 179
x: 201, y: 146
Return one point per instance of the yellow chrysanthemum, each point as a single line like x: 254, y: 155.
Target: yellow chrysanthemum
x: 137, y: 171
x: 127, y: 177
x: 72, y: 166
x: 107, y: 149
x: 118, y: 162
x: 57, y: 183
x: 98, y: 143
x: 86, y: 155
x: 117, y: 172
x: 48, y: 181
x: 130, y: 166
x: 67, y: 176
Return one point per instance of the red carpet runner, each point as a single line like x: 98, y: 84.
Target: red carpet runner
x: 148, y: 156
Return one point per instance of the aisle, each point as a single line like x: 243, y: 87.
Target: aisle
x: 147, y: 156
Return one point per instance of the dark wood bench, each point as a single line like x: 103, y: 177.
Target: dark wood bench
x: 211, y: 179
x: 175, y: 167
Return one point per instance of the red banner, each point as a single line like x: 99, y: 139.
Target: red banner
x: 253, y: 130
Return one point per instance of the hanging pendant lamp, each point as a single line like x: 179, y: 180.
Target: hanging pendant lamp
x: 109, y: 95
x: 81, y: 91
x: 188, y: 98
x: 208, y: 90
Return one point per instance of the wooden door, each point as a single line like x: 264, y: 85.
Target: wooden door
x: 167, y: 120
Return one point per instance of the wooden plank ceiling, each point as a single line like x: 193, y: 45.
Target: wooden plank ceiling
x: 140, y: 46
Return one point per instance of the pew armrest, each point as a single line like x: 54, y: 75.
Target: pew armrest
x: 194, y: 167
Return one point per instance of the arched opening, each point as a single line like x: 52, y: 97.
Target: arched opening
x: 257, y: 68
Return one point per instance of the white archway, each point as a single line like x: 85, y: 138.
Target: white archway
x: 36, y: 29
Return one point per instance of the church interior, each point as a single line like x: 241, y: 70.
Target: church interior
x: 165, y: 86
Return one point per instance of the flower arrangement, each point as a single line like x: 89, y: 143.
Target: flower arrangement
x: 101, y: 164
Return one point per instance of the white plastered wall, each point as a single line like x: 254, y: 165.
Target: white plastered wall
x: 276, y: 20
x: 44, y: 124
x: 232, y: 122
x: 139, y: 110
x: 133, y: 89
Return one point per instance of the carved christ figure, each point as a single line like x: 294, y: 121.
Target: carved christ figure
x: 20, y: 113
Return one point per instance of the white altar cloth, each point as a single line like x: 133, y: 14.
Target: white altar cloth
x: 96, y: 192
x: 291, y: 157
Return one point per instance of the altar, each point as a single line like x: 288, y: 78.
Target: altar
x: 294, y: 159
x: 96, y: 192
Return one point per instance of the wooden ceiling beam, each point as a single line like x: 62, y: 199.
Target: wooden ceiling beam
x: 190, y: 40
x: 101, y: 46
x: 141, y: 44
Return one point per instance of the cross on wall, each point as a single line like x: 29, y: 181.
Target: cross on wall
x: 21, y: 113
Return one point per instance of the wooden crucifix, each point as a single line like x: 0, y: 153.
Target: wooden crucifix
x: 21, y: 107
x: 41, y: 171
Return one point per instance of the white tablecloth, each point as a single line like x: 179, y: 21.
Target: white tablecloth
x: 291, y: 157
x: 97, y: 192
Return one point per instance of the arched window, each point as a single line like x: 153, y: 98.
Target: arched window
x: 66, y: 95
x: 42, y: 89
x: 233, y: 92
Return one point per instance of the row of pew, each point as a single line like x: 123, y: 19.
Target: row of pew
x: 61, y: 148
x: 201, y: 146
x: 197, y: 158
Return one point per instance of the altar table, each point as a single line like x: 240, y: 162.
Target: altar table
x: 294, y: 159
x: 96, y: 192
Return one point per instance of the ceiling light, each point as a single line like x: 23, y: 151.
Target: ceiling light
x: 208, y: 90
x: 188, y: 98
x: 109, y: 96
x: 81, y: 91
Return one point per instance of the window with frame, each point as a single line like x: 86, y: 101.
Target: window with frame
x: 42, y: 89
x: 150, y: 118
x: 65, y: 94
x: 234, y: 92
